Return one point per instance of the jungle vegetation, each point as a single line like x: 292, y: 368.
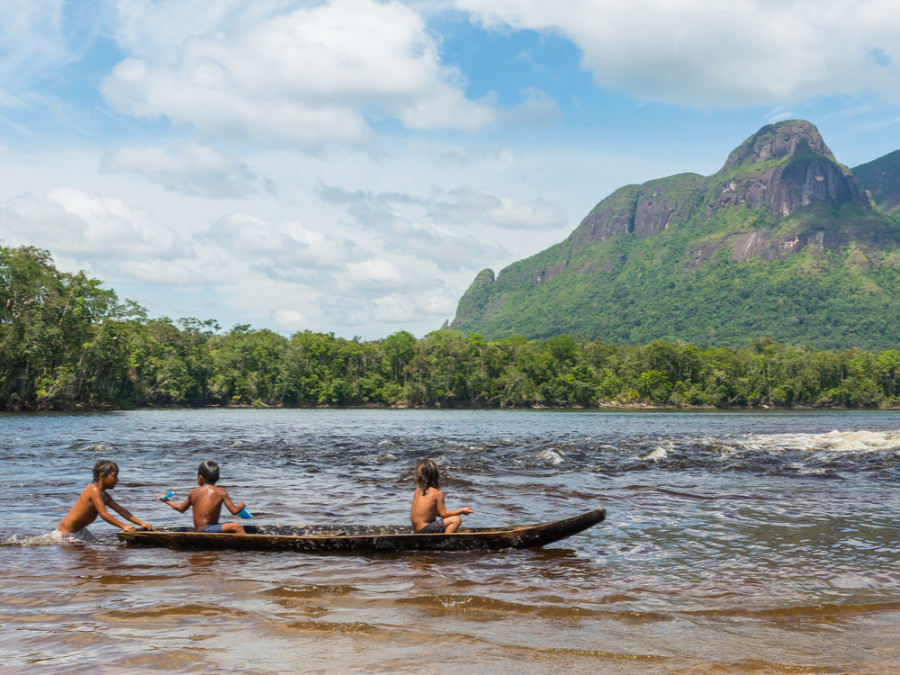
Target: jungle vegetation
x: 68, y: 343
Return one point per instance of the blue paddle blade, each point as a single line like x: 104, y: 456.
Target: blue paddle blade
x: 244, y: 513
x: 170, y: 494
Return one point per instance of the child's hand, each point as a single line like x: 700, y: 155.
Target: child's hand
x: 129, y: 528
x: 466, y: 510
x: 146, y: 526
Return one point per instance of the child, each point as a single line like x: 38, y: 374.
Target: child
x: 207, y: 502
x: 428, y: 503
x: 92, y: 503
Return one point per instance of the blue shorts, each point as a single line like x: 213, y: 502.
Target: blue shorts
x: 213, y: 529
x: 435, y: 527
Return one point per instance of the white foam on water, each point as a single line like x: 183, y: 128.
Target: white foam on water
x: 656, y: 454
x: 833, y: 441
x: 551, y: 456
x: 46, y: 539
x: 98, y: 447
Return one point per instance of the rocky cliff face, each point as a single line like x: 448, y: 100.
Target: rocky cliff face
x: 642, y: 210
x: 781, y: 168
x: 784, y: 167
x: 776, y: 142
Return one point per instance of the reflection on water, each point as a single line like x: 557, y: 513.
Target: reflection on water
x: 734, y: 542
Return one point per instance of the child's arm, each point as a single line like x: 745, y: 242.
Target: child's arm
x: 180, y: 508
x: 444, y: 513
x: 230, y: 505
x: 125, y: 513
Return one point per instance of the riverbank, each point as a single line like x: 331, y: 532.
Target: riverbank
x: 456, y: 405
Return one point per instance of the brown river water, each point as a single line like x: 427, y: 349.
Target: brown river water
x: 757, y: 542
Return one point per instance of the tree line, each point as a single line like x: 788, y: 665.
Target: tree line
x: 68, y: 343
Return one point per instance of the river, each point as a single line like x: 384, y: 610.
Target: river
x: 749, y: 542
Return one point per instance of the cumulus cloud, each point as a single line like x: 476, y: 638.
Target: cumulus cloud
x: 449, y: 252
x: 191, y: 169
x: 101, y: 231
x: 374, y: 277
x: 102, y: 234
x: 470, y: 205
x: 307, y: 77
x: 702, y: 53
x: 424, y: 301
x: 289, y: 320
x: 283, y: 250
x: 420, y: 226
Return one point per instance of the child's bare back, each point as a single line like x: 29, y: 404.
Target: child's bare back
x: 206, y: 502
x: 428, y: 503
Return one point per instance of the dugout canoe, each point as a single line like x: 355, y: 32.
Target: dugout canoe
x: 365, y: 538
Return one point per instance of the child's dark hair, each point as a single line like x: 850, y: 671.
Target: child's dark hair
x: 428, y: 475
x: 104, y: 467
x: 210, y: 471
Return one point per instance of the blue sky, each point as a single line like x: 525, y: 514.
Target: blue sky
x: 349, y: 166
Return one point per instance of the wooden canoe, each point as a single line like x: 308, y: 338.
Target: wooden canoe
x: 365, y: 538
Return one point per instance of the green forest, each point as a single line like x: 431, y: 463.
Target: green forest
x: 68, y: 343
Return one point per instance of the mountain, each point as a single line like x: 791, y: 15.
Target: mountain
x: 881, y: 177
x: 782, y: 242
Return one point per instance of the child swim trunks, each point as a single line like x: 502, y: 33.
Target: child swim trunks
x: 82, y: 535
x: 435, y: 527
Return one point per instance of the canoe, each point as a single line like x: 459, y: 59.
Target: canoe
x: 365, y: 538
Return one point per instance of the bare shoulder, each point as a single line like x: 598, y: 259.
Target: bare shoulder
x: 93, y: 490
x: 432, y: 495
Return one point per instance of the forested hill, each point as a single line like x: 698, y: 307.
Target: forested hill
x: 881, y: 177
x: 783, y: 242
x: 66, y: 342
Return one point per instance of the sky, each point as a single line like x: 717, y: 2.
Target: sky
x: 349, y: 166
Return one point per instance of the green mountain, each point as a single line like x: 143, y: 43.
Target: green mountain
x: 881, y: 177
x: 783, y: 242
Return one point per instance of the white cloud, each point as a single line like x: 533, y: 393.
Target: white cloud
x: 153, y: 272
x: 157, y: 29
x: 191, y: 169
x: 401, y: 309
x: 701, y: 53
x: 449, y: 252
x: 374, y: 277
x: 470, y: 205
x: 422, y: 302
x: 307, y: 77
x: 433, y: 230
x: 284, y: 250
x: 100, y: 229
x: 537, y: 110
x: 289, y: 320
x: 33, y: 43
